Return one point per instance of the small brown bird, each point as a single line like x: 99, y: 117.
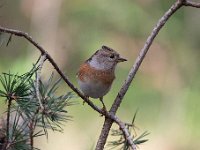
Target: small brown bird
x: 96, y: 75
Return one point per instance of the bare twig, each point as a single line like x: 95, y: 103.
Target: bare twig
x: 108, y: 122
x: 9, y: 40
x: 38, y: 77
x: 191, y: 4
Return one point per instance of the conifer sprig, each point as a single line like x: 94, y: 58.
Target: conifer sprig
x: 24, y: 116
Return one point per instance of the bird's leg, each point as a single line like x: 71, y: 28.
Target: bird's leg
x: 104, y: 106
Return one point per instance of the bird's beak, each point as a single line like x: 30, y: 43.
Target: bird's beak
x: 120, y: 59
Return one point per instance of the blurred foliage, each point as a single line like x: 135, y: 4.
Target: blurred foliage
x: 166, y: 89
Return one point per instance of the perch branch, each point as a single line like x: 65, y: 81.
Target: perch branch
x: 108, y: 122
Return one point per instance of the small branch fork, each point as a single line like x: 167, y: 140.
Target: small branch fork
x: 110, y: 116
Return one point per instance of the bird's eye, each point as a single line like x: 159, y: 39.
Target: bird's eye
x: 112, y: 56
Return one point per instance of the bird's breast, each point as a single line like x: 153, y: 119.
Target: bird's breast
x: 86, y: 72
x: 94, y: 83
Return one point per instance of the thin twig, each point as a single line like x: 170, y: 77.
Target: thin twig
x: 37, y: 88
x: 9, y: 40
x: 38, y: 78
x: 191, y: 4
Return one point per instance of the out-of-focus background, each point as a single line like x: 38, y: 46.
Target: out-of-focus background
x: 166, y: 89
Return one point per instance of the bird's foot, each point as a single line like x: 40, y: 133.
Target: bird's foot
x: 104, y: 107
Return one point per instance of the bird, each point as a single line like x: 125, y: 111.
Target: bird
x: 96, y: 75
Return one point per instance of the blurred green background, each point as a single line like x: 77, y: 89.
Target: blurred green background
x: 166, y: 90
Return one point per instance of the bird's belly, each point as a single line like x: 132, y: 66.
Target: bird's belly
x: 93, y: 89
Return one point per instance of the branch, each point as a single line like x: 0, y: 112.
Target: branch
x: 108, y: 122
x: 47, y: 56
x: 191, y: 4
x: 38, y: 77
